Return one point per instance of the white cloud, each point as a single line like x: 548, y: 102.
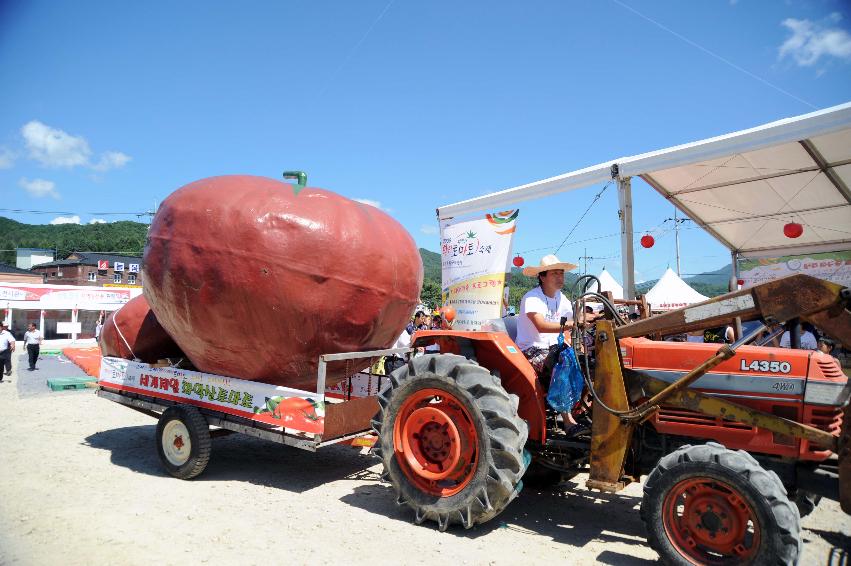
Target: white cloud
x: 7, y: 158
x: 39, y: 187
x: 810, y: 41
x: 66, y: 220
x: 55, y: 148
x: 97, y: 221
x: 374, y: 203
x: 111, y: 160
x: 428, y: 229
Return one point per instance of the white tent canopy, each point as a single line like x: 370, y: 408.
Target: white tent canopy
x: 741, y: 187
x: 671, y: 292
x: 608, y: 283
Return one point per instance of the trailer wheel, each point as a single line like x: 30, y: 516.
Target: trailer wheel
x: 183, y: 441
x: 707, y: 504
x: 450, y: 440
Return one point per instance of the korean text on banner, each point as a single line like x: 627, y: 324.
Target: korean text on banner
x: 474, y: 260
x: 832, y: 266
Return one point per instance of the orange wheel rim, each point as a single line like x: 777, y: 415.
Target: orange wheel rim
x: 708, y: 521
x: 436, y: 442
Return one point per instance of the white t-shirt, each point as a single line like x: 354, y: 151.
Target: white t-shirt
x: 6, y: 340
x: 553, y: 308
x: 32, y: 337
x: 403, y: 341
x: 808, y: 341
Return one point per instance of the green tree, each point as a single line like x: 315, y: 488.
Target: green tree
x: 430, y: 295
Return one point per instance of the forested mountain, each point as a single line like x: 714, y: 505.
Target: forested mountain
x: 129, y: 238
x: 126, y: 238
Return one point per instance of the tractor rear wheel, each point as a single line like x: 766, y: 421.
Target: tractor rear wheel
x: 707, y: 505
x: 450, y: 440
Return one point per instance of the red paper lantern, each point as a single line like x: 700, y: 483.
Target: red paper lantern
x: 647, y: 241
x: 518, y: 261
x: 793, y: 230
x: 740, y: 281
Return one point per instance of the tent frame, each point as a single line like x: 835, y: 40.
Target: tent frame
x: 797, y: 129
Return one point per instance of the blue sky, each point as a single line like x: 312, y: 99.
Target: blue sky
x: 107, y: 107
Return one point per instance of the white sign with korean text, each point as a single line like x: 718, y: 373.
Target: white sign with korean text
x: 474, y: 260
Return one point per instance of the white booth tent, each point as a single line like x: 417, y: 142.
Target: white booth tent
x: 608, y: 283
x: 741, y: 187
x: 671, y: 292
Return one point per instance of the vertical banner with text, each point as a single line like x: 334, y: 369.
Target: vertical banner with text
x: 474, y: 260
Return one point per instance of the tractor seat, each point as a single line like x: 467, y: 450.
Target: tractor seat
x: 511, y: 326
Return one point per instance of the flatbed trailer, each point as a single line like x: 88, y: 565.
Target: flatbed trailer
x: 188, y: 403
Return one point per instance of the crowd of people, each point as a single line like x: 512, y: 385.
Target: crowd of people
x: 423, y: 321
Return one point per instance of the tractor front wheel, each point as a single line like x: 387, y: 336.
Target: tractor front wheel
x: 709, y: 505
x: 450, y: 440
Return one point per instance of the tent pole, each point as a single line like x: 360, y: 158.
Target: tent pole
x: 734, y: 285
x: 625, y: 214
x: 677, y: 239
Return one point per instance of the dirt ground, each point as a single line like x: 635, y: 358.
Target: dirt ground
x: 81, y: 484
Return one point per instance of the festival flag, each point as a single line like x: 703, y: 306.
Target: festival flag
x: 474, y: 261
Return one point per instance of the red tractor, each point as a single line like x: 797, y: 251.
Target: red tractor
x: 730, y: 438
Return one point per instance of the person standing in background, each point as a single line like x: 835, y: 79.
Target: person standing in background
x: 808, y: 338
x: 415, y: 324
x: 7, y: 346
x: 32, y: 341
x: 825, y: 345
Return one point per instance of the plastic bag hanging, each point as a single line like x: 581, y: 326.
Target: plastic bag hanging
x: 567, y: 381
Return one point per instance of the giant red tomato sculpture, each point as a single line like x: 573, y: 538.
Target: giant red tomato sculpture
x: 256, y: 278
x: 134, y: 332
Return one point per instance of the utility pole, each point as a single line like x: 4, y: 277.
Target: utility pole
x: 677, y: 222
x: 585, y: 257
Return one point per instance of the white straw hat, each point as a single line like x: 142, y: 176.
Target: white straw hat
x: 548, y: 263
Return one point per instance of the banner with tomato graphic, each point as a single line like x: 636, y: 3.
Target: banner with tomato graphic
x: 832, y: 266
x: 475, y: 257
x: 288, y: 408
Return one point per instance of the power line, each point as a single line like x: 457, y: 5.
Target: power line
x: 596, y: 198
x: 354, y: 49
x: 22, y: 211
x: 713, y: 54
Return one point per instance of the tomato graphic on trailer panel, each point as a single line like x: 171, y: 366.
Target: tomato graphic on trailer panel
x: 295, y: 412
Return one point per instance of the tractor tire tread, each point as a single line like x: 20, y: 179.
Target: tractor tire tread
x: 782, y: 542
x: 498, y: 480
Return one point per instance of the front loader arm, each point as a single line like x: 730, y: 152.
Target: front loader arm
x: 820, y: 302
x: 823, y: 303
